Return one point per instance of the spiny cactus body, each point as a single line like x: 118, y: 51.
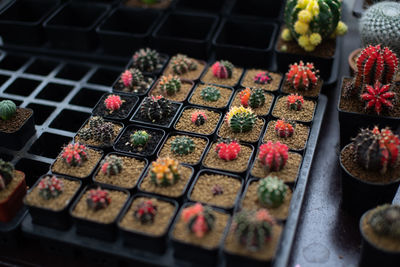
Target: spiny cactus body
x: 164, y: 172
x: 7, y: 109
x: 112, y: 165
x: 295, y: 102
x: 378, y: 97
x: 198, y: 117
x: 271, y: 191
x: 156, y: 108
x: 302, y: 76
x: 74, y: 154
x: 254, y: 98
x: 284, y: 128
x: 182, y: 145
x: 146, y: 60
x: 227, y: 149
x: 145, y: 212
x: 199, y: 219
x: 170, y: 85
x: 385, y: 221
x: 273, y: 156
x: 139, y: 138
x: 240, y: 119
x: 113, y: 103
x: 222, y: 69
x: 217, y: 190
x: 50, y: 187
x: 6, y: 173
x: 98, y: 130
x: 263, y: 77
x: 98, y: 199
x: 210, y: 94
x: 182, y: 64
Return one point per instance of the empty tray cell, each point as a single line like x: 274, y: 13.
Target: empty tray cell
x: 72, y: 72
x: 267, y: 9
x: 41, y: 67
x: 3, y: 79
x: 42, y: 112
x: 69, y: 120
x: 48, y: 145
x: 17, y: 102
x: 210, y: 6
x: 55, y: 92
x: 104, y: 76
x: 86, y: 97
x: 33, y: 169
x: 22, y: 86
x: 12, y: 62
x: 6, y: 157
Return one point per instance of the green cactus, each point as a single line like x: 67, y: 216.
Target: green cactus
x: 182, y: 64
x: 257, y: 98
x: 156, y: 108
x: 385, y: 221
x: 271, y: 191
x: 241, y: 119
x: 111, y: 165
x: 98, y: 130
x: 182, y: 145
x: 170, y: 85
x: 146, y: 59
x: 7, y: 109
x: 6, y: 173
x: 210, y: 94
x: 139, y: 138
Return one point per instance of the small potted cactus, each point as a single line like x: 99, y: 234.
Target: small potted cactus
x: 133, y: 81
x: 120, y: 170
x: 148, y: 61
x: 370, y: 169
x: 228, y: 155
x: 12, y: 191
x: 198, y: 232
x: 274, y: 158
x: 96, y: 210
x: 270, y: 193
x: 49, y: 199
x: 154, y: 4
x: 292, y: 134
x: 156, y: 110
x: 187, y: 149
x: 97, y: 132
x: 115, y: 106
x: 262, y: 79
x: 216, y: 188
x: 253, y: 238
x: 76, y: 160
x: 380, y: 233
x: 16, y: 125
x: 145, y: 222
x: 208, y: 95
x: 167, y: 177
x: 172, y: 87
x: 295, y: 108
x: 222, y: 72
x: 242, y: 124
x: 139, y: 140
x: 257, y: 99
x: 199, y: 121
x: 185, y: 67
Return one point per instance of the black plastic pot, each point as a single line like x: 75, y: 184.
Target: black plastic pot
x: 257, y: 10
x: 123, y: 113
x: 126, y: 30
x: 16, y: 140
x: 352, y: 122
x: 21, y: 21
x: 163, y: 61
x: 108, y: 2
x: 234, y: 260
x: 187, y: 33
x: 247, y: 43
x: 156, y: 134
x: 90, y: 228
x: 144, y: 241
x: 204, y: 6
x: 73, y: 25
x: 359, y: 196
x: 54, y: 219
x: 371, y: 255
x: 220, y: 109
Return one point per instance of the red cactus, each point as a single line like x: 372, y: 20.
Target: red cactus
x: 98, y: 199
x: 222, y: 69
x: 199, y: 117
x: 145, y: 211
x: 227, y: 149
x: 127, y: 78
x: 244, y: 96
x: 199, y: 219
x: 262, y: 77
x: 273, y: 156
x: 284, y: 129
x: 378, y: 96
x: 74, y: 154
x: 113, y: 102
x: 302, y: 77
x: 295, y: 102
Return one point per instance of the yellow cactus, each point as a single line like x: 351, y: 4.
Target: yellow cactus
x: 304, y: 40
x: 305, y: 16
x: 286, y: 35
x: 315, y: 39
x: 301, y: 27
x: 164, y: 171
x: 235, y: 110
x: 341, y: 28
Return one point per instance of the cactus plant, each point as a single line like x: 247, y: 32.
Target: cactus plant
x: 6, y: 173
x: 111, y: 165
x: 146, y: 59
x: 139, y: 138
x: 380, y: 24
x: 170, y: 85
x: 302, y: 76
x: 295, y: 102
x: 311, y: 21
x: 156, y: 108
x: 145, y: 211
x: 98, y: 199
x: 182, y: 64
x: 377, y: 150
x: 378, y: 97
x: 273, y: 156
x: 217, y: 190
x: 253, y: 228
x: 385, y: 221
x: 198, y: 117
x: 98, y: 130
x: 271, y: 191
x: 164, y: 172
x: 182, y: 145
x: 132, y: 77
x: 210, y: 94
x: 227, y: 149
x: 199, y: 219
x: 95, y: 122
x: 254, y: 98
x: 240, y: 119
x: 50, y: 187
x: 74, y: 154
x: 7, y: 109
x: 113, y: 103
x: 222, y: 69
x: 284, y: 128
x: 262, y: 77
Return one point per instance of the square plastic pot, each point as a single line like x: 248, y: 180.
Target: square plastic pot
x: 186, y: 33
x: 73, y: 25
x: 204, y: 6
x: 247, y: 43
x: 21, y: 22
x: 126, y: 29
x: 257, y: 10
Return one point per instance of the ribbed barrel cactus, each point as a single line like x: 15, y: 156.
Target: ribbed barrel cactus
x: 311, y: 21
